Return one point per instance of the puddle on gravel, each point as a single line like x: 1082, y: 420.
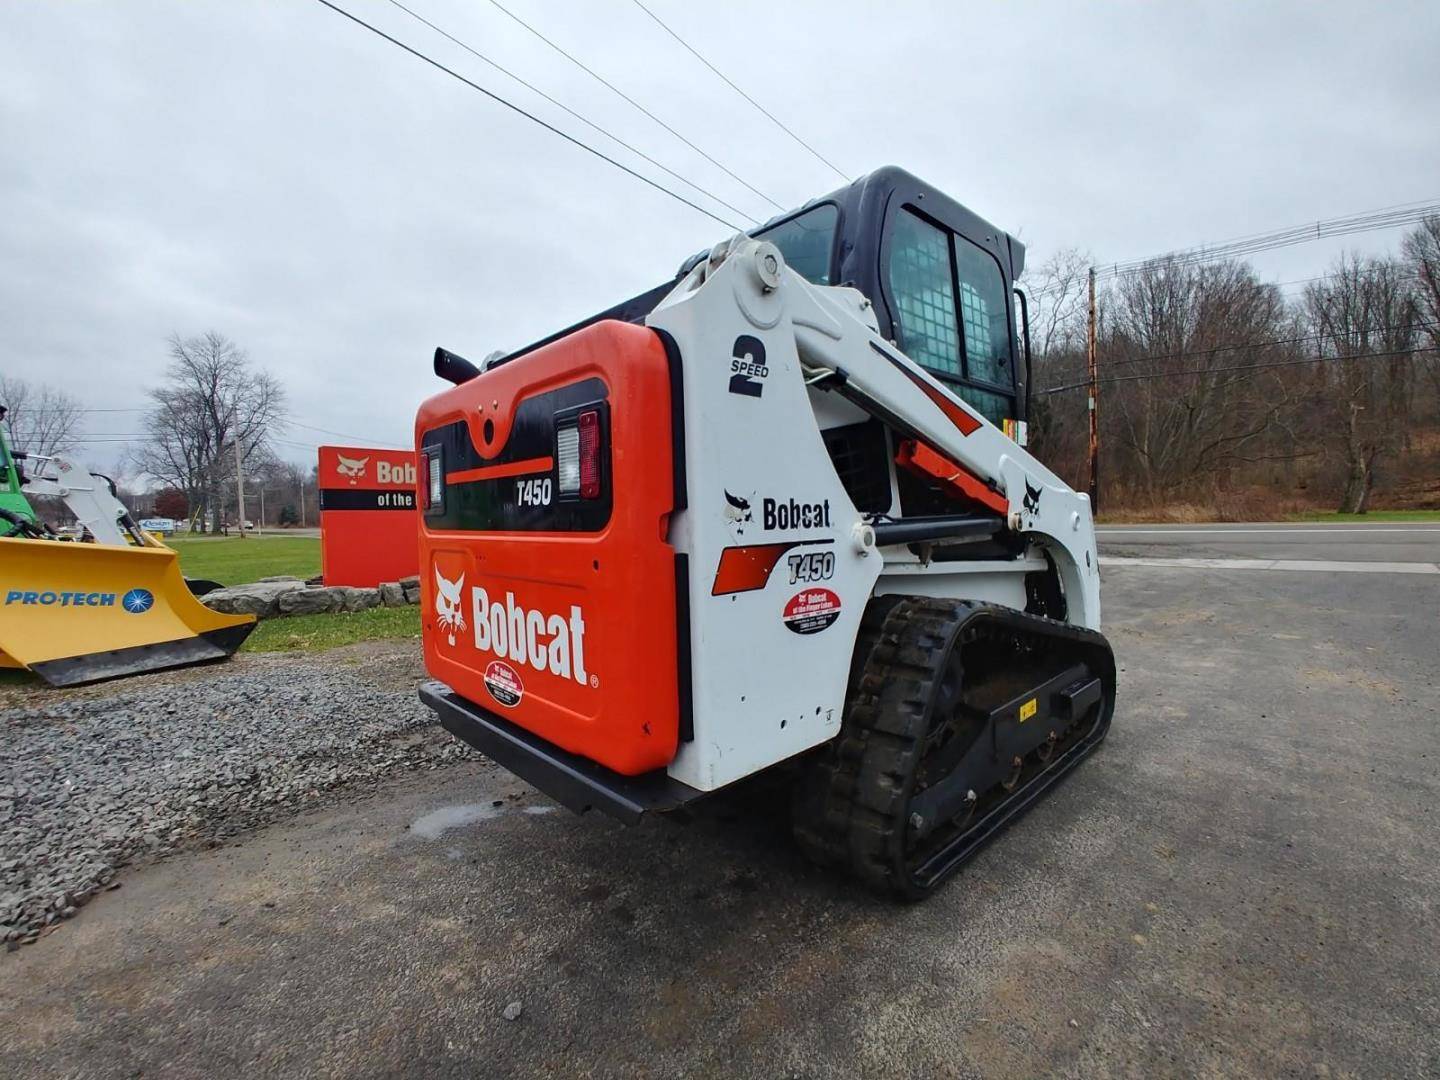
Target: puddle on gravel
x: 430, y: 826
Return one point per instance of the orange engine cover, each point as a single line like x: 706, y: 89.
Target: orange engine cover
x: 552, y: 608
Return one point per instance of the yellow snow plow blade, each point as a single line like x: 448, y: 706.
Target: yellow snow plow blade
x: 78, y: 613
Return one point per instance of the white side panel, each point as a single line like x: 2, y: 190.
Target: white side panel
x: 758, y: 474
x: 770, y: 655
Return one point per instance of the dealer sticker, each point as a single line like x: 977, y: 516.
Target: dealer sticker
x: 812, y: 610
x: 504, y: 684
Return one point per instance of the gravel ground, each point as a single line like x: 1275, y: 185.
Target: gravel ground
x: 92, y: 780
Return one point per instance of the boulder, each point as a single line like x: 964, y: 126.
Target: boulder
x: 310, y: 601
x: 412, y: 581
x: 353, y: 598
x: 281, y: 577
x: 412, y: 593
x: 392, y: 594
x: 259, y: 598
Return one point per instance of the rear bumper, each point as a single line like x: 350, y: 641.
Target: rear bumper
x: 576, y: 783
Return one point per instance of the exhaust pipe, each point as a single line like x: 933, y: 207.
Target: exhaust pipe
x: 454, y: 368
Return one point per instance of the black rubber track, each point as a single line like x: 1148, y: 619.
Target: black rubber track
x: 851, y: 810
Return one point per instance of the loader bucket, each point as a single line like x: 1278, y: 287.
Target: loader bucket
x: 79, y: 613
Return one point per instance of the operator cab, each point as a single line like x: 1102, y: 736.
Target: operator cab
x: 940, y: 277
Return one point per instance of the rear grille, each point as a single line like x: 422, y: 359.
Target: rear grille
x: 861, y: 456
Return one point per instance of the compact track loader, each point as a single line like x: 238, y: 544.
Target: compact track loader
x: 80, y: 612
x: 767, y: 515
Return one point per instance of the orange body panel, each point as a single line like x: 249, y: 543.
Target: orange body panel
x: 560, y: 622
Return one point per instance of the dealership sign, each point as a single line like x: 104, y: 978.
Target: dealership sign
x: 369, y: 519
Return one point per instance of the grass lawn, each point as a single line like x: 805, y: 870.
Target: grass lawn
x: 232, y: 560
x: 309, y: 633
x: 1373, y: 515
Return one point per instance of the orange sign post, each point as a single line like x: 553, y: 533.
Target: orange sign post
x: 369, y: 515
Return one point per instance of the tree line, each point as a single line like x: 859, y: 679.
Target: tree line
x: 1218, y: 391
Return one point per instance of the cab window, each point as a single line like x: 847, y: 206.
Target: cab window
x: 807, y: 241
x: 952, y: 314
x: 924, y: 291
x: 983, y: 313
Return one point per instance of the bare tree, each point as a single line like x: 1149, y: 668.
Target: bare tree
x: 1217, y: 389
x: 1421, y: 250
x: 1057, y: 292
x: 1057, y: 289
x: 293, y: 487
x: 212, y: 402
x: 1364, y: 314
x: 1185, y: 329
x: 39, y: 419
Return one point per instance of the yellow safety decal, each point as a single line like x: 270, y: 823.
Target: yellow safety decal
x: 1028, y: 709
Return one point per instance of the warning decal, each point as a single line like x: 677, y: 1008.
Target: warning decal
x: 811, y: 611
x: 504, y: 684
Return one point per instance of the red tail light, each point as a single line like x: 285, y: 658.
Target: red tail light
x: 589, y: 454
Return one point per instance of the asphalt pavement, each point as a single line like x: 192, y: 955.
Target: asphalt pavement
x: 1241, y: 882
x: 1400, y: 542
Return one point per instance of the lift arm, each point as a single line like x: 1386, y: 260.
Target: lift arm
x: 89, y: 496
x: 834, y: 334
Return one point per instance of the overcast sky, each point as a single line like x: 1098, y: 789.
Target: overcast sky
x: 274, y: 172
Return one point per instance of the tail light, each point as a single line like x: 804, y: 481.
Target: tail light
x: 579, y: 449
x: 433, y: 483
x: 589, y: 454
x: 567, y: 459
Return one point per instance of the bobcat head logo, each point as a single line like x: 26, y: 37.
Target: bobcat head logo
x: 354, y: 468
x: 1032, y: 498
x: 448, y: 612
x: 737, y: 510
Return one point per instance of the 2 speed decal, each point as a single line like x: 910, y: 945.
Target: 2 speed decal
x: 748, y: 369
x: 811, y: 611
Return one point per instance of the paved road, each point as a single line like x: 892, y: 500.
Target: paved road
x: 1241, y: 882
x: 1402, y: 542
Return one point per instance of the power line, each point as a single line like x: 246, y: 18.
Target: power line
x: 1363, y: 271
x: 565, y: 108
x: 1378, y: 210
x: 615, y: 89
x: 284, y: 424
x: 773, y: 119
x: 1389, y: 217
x: 1250, y: 345
x: 323, y: 431
x: 528, y: 115
x: 1368, y: 221
x: 1238, y: 367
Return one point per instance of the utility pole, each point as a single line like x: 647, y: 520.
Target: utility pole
x: 259, y: 525
x: 1094, y: 400
x: 240, y: 482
